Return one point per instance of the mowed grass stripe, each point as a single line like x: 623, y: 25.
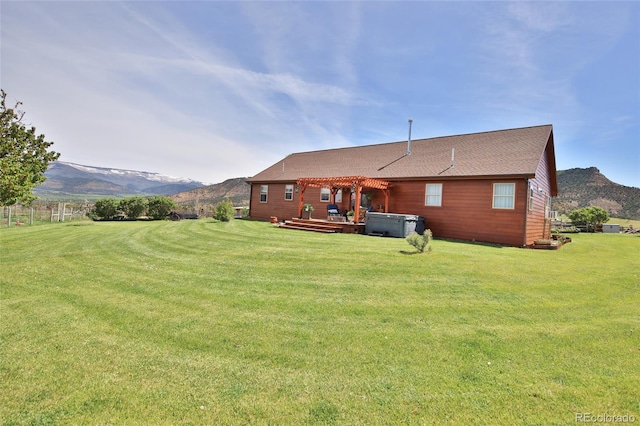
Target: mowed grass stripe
x: 241, y: 322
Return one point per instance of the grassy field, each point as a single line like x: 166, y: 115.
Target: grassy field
x: 200, y: 322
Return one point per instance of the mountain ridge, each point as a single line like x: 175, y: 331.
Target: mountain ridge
x: 71, y: 179
x: 584, y: 187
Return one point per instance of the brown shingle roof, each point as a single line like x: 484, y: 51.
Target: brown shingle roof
x: 513, y: 152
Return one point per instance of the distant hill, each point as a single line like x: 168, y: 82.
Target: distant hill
x: 236, y: 190
x: 69, y: 180
x: 588, y: 187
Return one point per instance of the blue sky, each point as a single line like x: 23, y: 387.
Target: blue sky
x: 214, y: 90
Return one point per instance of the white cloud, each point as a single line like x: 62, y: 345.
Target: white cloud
x: 121, y: 107
x: 546, y: 18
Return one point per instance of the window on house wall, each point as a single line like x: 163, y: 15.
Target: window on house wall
x: 339, y: 196
x: 288, y: 192
x: 547, y: 207
x: 433, y: 195
x: 532, y: 193
x: 325, y: 195
x: 264, y: 193
x: 504, y: 195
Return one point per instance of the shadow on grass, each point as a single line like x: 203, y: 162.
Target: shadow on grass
x: 409, y: 252
x: 473, y: 243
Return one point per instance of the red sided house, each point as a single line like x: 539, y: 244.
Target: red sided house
x: 491, y: 187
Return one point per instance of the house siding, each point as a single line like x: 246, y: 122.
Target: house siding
x: 466, y: 212
x: 276, y: 205
x: 283, y: 209
x: 538, y: 226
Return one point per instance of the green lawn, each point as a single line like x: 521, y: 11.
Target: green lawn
x: 200, y: 322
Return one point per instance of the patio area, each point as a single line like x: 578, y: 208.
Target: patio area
x: 355, y: 184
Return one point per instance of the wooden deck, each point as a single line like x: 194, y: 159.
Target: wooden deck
x: 324, y: 226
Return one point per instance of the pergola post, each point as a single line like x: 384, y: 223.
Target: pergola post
x: 356, y: 207
x: 302, y: 187
x: 334, y: 191
x: 386, y: 200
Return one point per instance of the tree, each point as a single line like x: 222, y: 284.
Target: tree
x: 589, y: 216
x: 598, y: 215
x: 159, y: 206
x: 224, y: 211
x: 24, y: 157
x: 133, y: 207
x: 106, y: 208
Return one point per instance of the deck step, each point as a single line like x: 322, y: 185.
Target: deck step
x: 325, y: 226
x: 291, y: 225
x: 316, y: 224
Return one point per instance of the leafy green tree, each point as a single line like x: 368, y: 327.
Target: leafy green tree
x: 133, y: 207
x: 24, y: 157
x: 224, y: 211
x: 159, y: 206
x: 106, y: 208
x: 589, y: 216
x: 598, y: 215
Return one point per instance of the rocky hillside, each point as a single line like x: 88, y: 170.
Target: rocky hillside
x: 588, y: 187
x: 236, y: 190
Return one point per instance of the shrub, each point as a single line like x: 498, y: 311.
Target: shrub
x: 560, y: 238
x: 133, y: 207
x: 159, y: 206
x: 224, y: 211
x: 106, y: 208
x: 421, y: 242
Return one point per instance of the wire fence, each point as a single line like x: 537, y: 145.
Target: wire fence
x: 18, y: 215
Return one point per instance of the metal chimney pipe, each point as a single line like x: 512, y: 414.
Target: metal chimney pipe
x: 409, y: 140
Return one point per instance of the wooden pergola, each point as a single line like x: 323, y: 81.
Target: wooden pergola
x: 336, y: 183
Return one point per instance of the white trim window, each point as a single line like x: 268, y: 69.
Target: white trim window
x: 504, y: 195
x: 532, y: 193
x: 547, y: 208
x: 264, y: 193
x: 288, y: 192
x: 325, y: 195
x: 339, y: 196
x: 433, y: 195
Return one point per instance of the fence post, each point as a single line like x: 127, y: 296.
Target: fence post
x: 70, y: 214
x: 57, y: 215
x: 9, y: 218
x: 31, y: 216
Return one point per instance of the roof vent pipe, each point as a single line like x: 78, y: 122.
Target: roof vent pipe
x: 409, y: 140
